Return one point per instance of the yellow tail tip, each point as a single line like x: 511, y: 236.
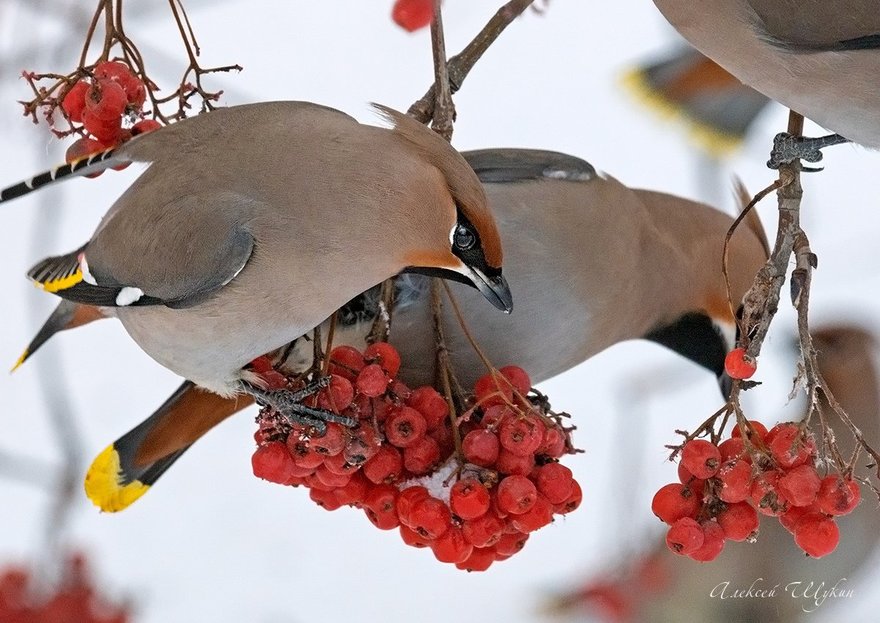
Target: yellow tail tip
x: 20, y: 361
x: 104, y: 483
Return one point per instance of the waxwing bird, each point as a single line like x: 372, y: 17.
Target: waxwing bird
x: 253, y: 223
x: 716, y: 108
x: 818, y: 58
x: 594, y: 263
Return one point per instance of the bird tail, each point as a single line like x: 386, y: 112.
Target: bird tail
x: 128, y: 467
x: 717, y: 109
x: 68, y: 315
x: 84, y: 166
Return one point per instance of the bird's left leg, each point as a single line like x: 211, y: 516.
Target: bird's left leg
x: 788, y: 148
x: 289, y: 404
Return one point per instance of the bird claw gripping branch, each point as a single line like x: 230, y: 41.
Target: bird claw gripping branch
x: 289, y: 405
x: 788, y: 148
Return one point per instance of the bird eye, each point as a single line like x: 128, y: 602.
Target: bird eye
x: 464, y: 238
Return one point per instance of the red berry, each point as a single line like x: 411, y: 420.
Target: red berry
x: 428, y: 401
x: 346, y: 361
x: 685, y: 536
x: 766, y: 496
x: 385, y: 466
x: 789, y: 518
x: 516, y: 494
x: 521, y: 435
x: 145, y: 125
x: 74, y: 101
x: 573, y: 501
x: 325, y: 499
x: 302, y: 452
x: 800, y: 485
x: 411, y: 15
x: 273, y: 462
x: 701, y: 458
x: 385, y: 355
x: 106, y: 100
x: 107, y: 131
x: 736, y: 481
x: 739, y: 521
x: 380, y: 507
x: 484, y: 531
x: 469, y: 499
x: 518, y: 377
x: 354, y: 492
x: 452, y: 546
x: 332, y: 442
x: 405, y: 427
x: 838, y: 496
x: 430, y: 517
x: 554, y: 444
x: 734, y: 448
x: 511, y: 543
x: 421, y: 456
x: 82, y: 148
x: 329, y: 479
x: 816, y: 534
x: 479, y: 560
x: 492, y: 390
x: 337, y: 464
x: 407, y: 500
x: 413, y: 538
x: 363, y: 444
x: 674, y: 501
x: 713, y: 542
x: 495, y: 416
x: 538, y: 516
x: 739, y: 365
x: 757, y: 429
x: 371, y: 381
x: 336, y: 396
x: 481, y: 447
x: 789, y: 445
x: 554, y: 481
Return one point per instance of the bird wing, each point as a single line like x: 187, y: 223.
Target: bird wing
x: 176, y: 255
x: 517, y: 165
x: 819, y: 25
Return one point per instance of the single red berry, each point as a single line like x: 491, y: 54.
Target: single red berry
x: 816, y: 534
x: 479, y: 560
x: 401, y: 391
x: 516, y: 494
x: 329, y: 479
x: 385, y: 466
x: 452, y: 547
x: 538, y: 516
x: 405, y: 427
x: 521, y: 435
x: 332, y: 442
x: 739, y: 365
x: 800, y: 485
x: 494, y: 416
x: 491, y: 390
x: 74, y: 101
x: 701, y: 458
x: 685, y: 536
x: 481, y: 447
x: 380, y: 506
x: 518, y: 377
x: 407, y: 500
x: 337, y: 464
x: 411, y: 15
x: 554, y: 445
x: 789, y: 445
x: 838, y: 496
x: 757, y: 429
x: 469, y: 499
x: 789, y: 518
x: 325, y: 499
x: 421, y: 456
x: 413, y: 538
x: 483, y: 531
x: 674, y: 501
x: 713, y: 542
x: 302, y: 452
x: 338, y: 395
x: 511, y: 543
x: 554, y: 481
x: 346, y: 361
x: 371, y: 381
x: 734, y: 448
x: 766, y: 496
x: 735, y: 478
x: 106, y: 100
x: 433, y: 407
x: 445, y: 440
x: 385, y: 355
x: 107, y: 131
x: 354, y: 492
x: 572, y: 502
x: 273, y: 462
x: 363, y: 444
x: 739, y: 521
x: 430, y: 517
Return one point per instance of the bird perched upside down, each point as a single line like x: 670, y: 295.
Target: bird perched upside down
x: 253, y: 223
x: 593, y: 262
x: 818, y: 58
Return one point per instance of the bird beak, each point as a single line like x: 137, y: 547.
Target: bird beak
x: 495, y: 289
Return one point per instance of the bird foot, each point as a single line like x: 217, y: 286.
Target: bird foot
x: 289, y: 405
x: 788, y: 148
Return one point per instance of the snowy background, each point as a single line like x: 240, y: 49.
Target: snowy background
x: 211, y: 542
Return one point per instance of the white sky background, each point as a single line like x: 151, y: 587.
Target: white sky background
x: 212, y: 543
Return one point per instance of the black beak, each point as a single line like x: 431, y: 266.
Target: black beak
x: 495, y: 289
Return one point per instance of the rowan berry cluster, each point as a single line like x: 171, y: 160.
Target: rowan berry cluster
x: 101, y: 105
x: 74, y: 599
x: 723, y: 488
x: 471, y: 488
